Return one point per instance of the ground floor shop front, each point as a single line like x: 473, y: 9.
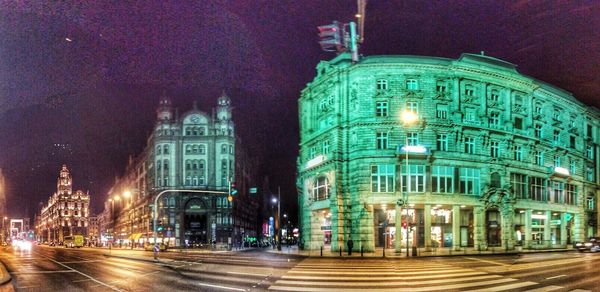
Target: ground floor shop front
x: 451, y: 226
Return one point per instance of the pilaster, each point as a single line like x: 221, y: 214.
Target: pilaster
x: 456, y: 227
x: 427, y: 233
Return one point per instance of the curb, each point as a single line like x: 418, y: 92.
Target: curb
x: 4, y: 275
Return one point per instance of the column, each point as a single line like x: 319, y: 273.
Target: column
x: 563, y: 229
x: 456, y: 227
x: 547, y: 226
x: 478, y: 228
x: 456, y: 92
x: 427, y: 231
x: 528, y: 237
x: 508, y: 228
x: 398, y: 224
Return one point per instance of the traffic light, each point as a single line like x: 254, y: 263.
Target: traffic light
x: 160, y: 227
x: 232, y: 189
x: 331, y: 37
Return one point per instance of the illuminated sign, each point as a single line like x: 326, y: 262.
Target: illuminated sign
x: 315, y: 161
x: 412, y: 149
x: 562, y: 170
x: 538, y: 216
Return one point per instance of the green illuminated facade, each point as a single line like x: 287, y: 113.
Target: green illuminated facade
x: 495, y: 159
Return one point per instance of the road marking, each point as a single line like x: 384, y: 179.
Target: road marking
x: 82, y: 280
x: 83, y: 274
x: 248, y: 274
x: 559, y: 276
x: 545, y: 289
x: 389, y: 283
x: 506, y: 287
x: 42, y: 272
x: 27, y: 287
x: 489, y: 262
x: 88, y: 261
x: 412, y: 289
x: 375, y: 278
x: 221, y: 287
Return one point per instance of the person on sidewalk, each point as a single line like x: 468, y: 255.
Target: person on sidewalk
x: 350, y: 245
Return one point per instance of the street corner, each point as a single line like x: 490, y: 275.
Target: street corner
x: 5, y: 278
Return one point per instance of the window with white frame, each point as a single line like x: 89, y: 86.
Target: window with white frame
x: 442, y: 142
x: 381, y: 140
x: 469, y: 90
x: 312, y: 152
x: 383, y: 178
x: 440, y: 87
x: 412, y: 84
x: 589, y: 152
x: 382, y: 84
x: 494, y: 119
x: 416, y: 178
x: 469, y: 181
x: 558, y: 192
x: 470, y: 115
x: 413, y: 139
x: 442, y: 179
x: 519, y: 101
x: 494, y: 95
x: 557, y: 161
x: 320, y: 188
x: 537, y: 131
x: 556, y: 137
x: 589, y: 174
x: 537, y: 108
x: 381, y: 109
x: 495, y: 149
x: 572, y: 166
x: 539, y: 157
x: 470, y: 145
x: 413, y: 107
x: 571, y: 196
x: 537, y: 189
x: 591, y: 203
x: 519, y: 185
x: 441, y: 111
x: 325, y: 146
x: 518, y: 153
x: 556, y: 114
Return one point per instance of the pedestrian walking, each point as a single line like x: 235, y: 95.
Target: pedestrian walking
x: 156, y: 249
x: 350, y: 245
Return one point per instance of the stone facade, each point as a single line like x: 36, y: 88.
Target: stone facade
x: 66, y: 212
x: 495, y: 158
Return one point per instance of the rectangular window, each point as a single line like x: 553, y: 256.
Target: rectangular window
x: 590, y: 203
x: 557, y: 161
x: 413, y: 139
x: 312, y: 152
x: 588, y: 132
x: 470, y: 115
x: 381, y: 109
x: 589, y: 152
x: 556, y: 114
x: 537, y: 108
x: 495, y: 149
x: 442, y: 142
x: 326, y: 147
x: 469, y: 91
x: 382, y: 140
x: 556, y: 137
x: 518, y: 153
x: 537, y: 189
x: 412, y: 84
x: 558, y: 192
x: 441, y: 111
x: 519, y: 101
x: 321, y: 189
x: 470, y: 181
x: 412, y: 106
x: 470, y: 145
x: 572, y: 142
x: 589, y: 174
x: 519, y: 185
x: 539, y: 158
x: 416, y: 178
x: 572, y: 166
x: 571, y: 197
x: 494, y: 96
x: 382, y: 84
x: 537, y: 131
x: 518, y: 123
x: 383, y: 178
x: 440, y: 87
x: 442, y: 179
x: 494, y: 119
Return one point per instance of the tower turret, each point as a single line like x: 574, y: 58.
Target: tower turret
x: 223, y: 108
x: 64, y: 184
x: 164, y: 112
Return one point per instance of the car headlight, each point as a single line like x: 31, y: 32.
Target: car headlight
x: 588, y: 244
x: 579, y: 244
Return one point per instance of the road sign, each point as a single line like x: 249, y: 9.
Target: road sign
x: 253, y: 190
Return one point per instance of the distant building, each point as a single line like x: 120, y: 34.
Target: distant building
x: 93, y: 232
x: 66, y: 212
x: 194, y: 151
x: 493, y: 158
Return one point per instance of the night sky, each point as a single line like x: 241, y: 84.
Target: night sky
x: 80, y: 80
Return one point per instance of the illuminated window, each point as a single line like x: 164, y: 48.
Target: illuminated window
x: 413, y: 139
x: 383, y: 178
x: 442, y: 179
x: 412, y: 84
x: 470, y: 181
x: 382, y: 84
x: 412, y: 106
x: 381, y: 109
x: 382, y: 140
x: 571, y: 197
x: 416, y: 178
x: 321, y: 188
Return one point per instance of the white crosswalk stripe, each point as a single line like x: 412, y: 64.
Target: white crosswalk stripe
x: 340, y: 275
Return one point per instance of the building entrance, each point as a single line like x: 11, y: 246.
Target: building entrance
x: 196, y: 223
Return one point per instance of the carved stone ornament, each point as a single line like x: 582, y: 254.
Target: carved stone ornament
x: 497, y: 198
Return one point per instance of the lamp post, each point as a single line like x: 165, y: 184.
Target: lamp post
x: 277, y: 223
x: 408, y: 118
x: 3, y: 229
x: 127, y: 194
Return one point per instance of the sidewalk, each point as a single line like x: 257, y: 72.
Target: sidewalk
x: 4, y: 275
x: 421, y: 252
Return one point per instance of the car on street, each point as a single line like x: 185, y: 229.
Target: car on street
x: 592, y: 245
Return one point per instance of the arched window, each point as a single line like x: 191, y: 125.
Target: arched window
x: 188, y: 180
x: 495, y: 181
x: 172, y: 202
x: 201, y: 131
x: 195, y: 131
x: 158, y: 150
x: 166, y: 149
x: 195, y: 164
x: 188, y: 131
x: 166, y: 165
x: 223, y: 149
x: 188, y: 165
x: 188, y: 149
x: 201, y: 149
x: 195, y: 149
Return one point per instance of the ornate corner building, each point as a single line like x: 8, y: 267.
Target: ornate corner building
x: 494, y: 157
x: 67, y: 212
x: 194, y: 154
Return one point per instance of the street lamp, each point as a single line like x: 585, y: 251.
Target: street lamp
x: 127, y: 194
x: 277, y: 223
x: 408, y: 118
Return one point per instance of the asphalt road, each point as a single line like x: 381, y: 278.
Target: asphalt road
x: 60, y: 269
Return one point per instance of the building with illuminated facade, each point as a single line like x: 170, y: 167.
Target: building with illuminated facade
x: 195, y: 155
x: 494, y: 158
x: 66, y: 212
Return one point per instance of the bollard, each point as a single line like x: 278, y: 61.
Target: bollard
x: 383, y: 251
x: 321, y: 250
x: 340, y: 251
x: 361, y: 251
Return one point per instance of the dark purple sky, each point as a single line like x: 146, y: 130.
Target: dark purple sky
x: 97, y: 93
